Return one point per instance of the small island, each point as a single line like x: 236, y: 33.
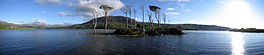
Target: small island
x: 252, y: 30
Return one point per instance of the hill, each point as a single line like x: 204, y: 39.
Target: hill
x: 7, y: 26
x: 252, y: 30
x: 2, y: 25
x: 120, y: 22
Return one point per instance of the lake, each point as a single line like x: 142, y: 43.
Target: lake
x: 69, y: 42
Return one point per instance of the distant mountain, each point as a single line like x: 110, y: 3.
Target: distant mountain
x: 252, y: 30
x: 203, y: 27
x: 120, y: 22
x: 6, y: 25
x: 2, y: 25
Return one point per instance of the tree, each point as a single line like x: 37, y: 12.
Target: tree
x: 156, y: 10
x: 135, y: 13
x: 164, y: 17
x: 106, y: 9
x: 95, y: 21
x: 143, y: 13
x: 150, y: 20
x: 169, y: 21
x: 125, y: 10
x: 130, y: 13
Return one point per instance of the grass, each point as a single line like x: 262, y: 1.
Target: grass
x: 6, y: 28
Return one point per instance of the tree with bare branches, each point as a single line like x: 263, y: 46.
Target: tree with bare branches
x: 156, y: 10
x: 125, y: 10
x: 150, y: 20
x: 135, y: 17
x: 95, y: 15
x: 130, y: 13
x: 106, y: 9
x: 164, y: 17
x: 143, y: 15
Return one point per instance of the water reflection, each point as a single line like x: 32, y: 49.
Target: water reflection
x: 237, y: 44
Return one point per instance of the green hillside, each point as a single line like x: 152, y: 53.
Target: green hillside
x: 9, y: 26
x: 116, y: 22
x: 2, y: 26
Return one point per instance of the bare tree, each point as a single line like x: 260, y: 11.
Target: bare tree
x: 169, y: 21
x: 130, y: 13
x: 95, y: 21
x: 156, y: 10
x: 164, y: 17
x: 125, y: 10
x: 150, y: 20
x: 106, y: 9
x: 135, y: 17
x: 143, y: 15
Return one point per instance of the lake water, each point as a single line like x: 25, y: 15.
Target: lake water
x: 68, y: 42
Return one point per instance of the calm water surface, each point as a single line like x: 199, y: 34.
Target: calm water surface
x: 68, y: 42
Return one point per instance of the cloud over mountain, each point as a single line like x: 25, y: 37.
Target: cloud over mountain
x: 64, y: 14
x: 87, y: 8
x: 84, y: 8
x: 50, y: 2
x: 38, y: 22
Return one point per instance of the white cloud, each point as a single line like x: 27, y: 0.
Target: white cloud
x: 87, y: 8
x: 175, y: 0
x: 188, y: 10
x: 170, y: 9
x: 38, y: 22
x: 190, y: 22
x: 184, y: 0
x: 84, y: 7
x: 172, y: 13
x: 64, y: 14
x: 138, y: 19
x: 50, y: 2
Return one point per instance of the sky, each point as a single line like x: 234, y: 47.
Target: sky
x: 229, y: 13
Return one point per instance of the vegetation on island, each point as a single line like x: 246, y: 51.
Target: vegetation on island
x: 116, y: 22
x: 253, y: 30
x: 134, y: 28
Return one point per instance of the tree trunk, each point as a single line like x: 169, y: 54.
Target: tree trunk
x: 143, y: 17
x: 135, y: 19
x: 157, y: 18
x: 95, y: 24
x: 126, y: 21
x: 106, y: 17
x: 164, y: 18
x: 130, y: 18
x: 150, y: 21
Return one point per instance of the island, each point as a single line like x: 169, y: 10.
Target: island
x: 251, y: 30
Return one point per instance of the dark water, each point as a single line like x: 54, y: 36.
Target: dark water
x: 68, y: 42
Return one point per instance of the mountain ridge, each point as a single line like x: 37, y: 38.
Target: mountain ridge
x: 120, y: 22
x: 114, y: 23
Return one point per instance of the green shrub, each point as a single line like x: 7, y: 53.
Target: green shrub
x: 128, y: 31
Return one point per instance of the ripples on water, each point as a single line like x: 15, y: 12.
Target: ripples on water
x: 68, y: 42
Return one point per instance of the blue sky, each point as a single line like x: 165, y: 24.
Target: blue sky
x: 210, y: 12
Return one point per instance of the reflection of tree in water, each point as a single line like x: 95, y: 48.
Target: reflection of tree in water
x: 96, y: 45
x: 180, y: 52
